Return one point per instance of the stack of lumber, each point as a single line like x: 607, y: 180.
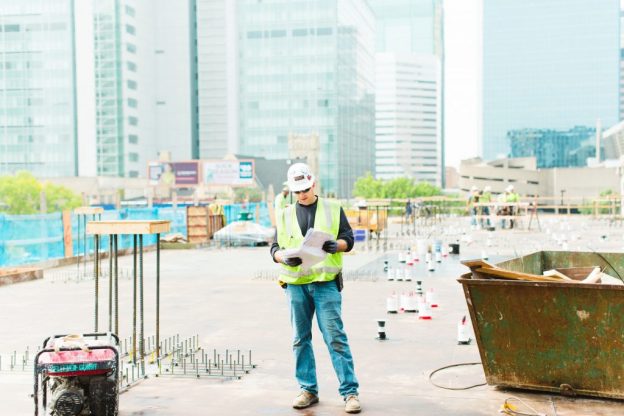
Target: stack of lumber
x: 482, y: 269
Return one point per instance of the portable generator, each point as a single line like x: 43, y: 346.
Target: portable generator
x: 79, y: 374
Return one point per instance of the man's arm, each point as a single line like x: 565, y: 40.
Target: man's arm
x: 345, y: 238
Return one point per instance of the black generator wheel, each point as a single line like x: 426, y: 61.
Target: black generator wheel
x: 103, y: 396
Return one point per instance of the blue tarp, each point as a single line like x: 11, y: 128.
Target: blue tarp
x: 26, y: 239
x: 30, y: 238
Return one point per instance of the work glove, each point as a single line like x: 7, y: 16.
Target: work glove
x: 330, y: 246
x: 292, y: 261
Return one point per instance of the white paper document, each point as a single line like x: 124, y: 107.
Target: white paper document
x: 311, y: 250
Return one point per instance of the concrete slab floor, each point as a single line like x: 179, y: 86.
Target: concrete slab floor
x: 213, y: 293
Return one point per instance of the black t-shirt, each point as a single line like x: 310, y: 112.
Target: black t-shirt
x: 305, y: 218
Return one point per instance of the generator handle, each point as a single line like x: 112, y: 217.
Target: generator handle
x: 90, y: 335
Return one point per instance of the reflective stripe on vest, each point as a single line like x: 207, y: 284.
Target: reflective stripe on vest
x: 334, y: 270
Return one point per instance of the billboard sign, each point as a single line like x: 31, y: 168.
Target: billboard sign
x: 173, y: 173
x: 228, y: 172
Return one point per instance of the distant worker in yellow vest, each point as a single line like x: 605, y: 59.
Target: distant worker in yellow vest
x: 473, y: 198
x: 316, y: 289
x: 281, y: 200
x: 512, y: 197
x: 511, y: 194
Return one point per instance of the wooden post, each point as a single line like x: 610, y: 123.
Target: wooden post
x: 67, y: 234
x: 258, y: 213
x: 271, y: 206
x: 43, y: 203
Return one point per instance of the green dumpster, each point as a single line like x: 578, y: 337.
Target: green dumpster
x: 551, y: 336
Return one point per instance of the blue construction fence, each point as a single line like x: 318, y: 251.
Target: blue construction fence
x: 28, y: 239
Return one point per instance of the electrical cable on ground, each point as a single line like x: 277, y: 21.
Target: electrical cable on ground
x: 509, y: 409
x: 454, y: 388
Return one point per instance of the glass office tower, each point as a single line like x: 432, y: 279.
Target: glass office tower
x: 307, y: 68
x: 38, y: 120
x: 548, y: 64
x: 406, y: 26
x: 553, y: 148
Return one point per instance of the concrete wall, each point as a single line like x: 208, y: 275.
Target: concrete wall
x: 528, y: 181
x: 580, y: 182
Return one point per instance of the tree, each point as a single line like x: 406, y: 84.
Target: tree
x: 21, y: 194
x: 426, y: 189
x: 368, y: 187
x: 60, y: 198
x: 399, y: 188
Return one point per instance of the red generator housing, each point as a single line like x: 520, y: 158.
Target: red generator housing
x: 79, y: 374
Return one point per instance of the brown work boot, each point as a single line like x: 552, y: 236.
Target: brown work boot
x: 305, y: 399
x: 352, y: 404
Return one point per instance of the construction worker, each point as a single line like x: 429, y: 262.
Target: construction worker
x: 408, y: 211
x: 486, y: 198
x: 315, y: 289
x: 281, y: 200
x: 473, y: 198
x: 511, y: 197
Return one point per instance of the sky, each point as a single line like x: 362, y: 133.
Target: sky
x: 462, y: 79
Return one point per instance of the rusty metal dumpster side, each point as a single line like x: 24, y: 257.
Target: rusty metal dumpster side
x: 558, y: 337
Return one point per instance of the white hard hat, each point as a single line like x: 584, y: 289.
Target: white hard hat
x: 300, y: 177
x: 509, y: 188
x: 474, y: 188
x: 487, y: 188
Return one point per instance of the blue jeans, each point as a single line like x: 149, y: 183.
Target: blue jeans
x: 325, y: 299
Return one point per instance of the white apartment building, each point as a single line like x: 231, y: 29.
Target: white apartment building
x: 407, y: 125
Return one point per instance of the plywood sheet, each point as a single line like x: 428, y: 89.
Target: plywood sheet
x: 128, y: 227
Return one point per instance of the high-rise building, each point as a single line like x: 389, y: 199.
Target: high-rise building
x: 621, y: 65
x: 407, y: 26
x: 307, y: 69
x: 407, y: 117
x: 143, y: 72
x: 173, y: 88
x: 117, y: 119
x: 409, y: 82
x: 216, y: 82
x: 93, y: 87
x: 548, y: 64
x: 42, y: 112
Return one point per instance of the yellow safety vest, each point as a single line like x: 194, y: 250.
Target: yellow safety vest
x: 513, y: 197
x: 326, y: 219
